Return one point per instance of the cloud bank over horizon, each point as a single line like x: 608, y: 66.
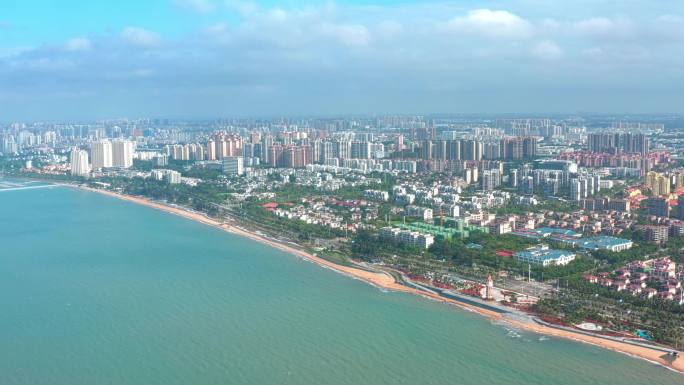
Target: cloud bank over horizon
x: 231, y: 58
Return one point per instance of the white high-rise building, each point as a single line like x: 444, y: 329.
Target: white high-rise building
x: 8, y: 145
x: 122, y: 153
x: 79, y: 162
x: 173, y: 177
x: 196, y: 151
x: 343, y: 149
x: 101, y: 152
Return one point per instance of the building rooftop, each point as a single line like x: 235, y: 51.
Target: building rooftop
x: 473, y: 246
x: 549, y: 255
x: 601, y: 242
x: 543, y: 252
x: 546, y: 231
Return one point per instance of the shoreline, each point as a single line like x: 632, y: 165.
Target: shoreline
x: 385, y: 281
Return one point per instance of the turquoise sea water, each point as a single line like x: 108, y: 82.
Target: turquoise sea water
x: 94, y: 290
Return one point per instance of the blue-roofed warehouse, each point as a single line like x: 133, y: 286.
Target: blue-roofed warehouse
x: 603, y: 243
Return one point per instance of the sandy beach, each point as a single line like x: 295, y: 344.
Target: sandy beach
x: 386, y: 281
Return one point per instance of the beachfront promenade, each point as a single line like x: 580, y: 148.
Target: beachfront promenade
x: 612, y: 338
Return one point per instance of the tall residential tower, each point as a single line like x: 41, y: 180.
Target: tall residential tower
x: 101, y: 153
x: 79, y: 162
x: 122, y: 153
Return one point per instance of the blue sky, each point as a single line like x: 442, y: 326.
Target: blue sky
x: 72, y: 59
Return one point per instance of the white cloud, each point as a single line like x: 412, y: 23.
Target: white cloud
x: 216, y: 29
x: 274, y: 15
x: 218, y: 33
x: 669, y: 27
x: 389, y: 28
x: 78, y: 44
x: 410, y: 49
x: 605, y: 28
x: 244, y: 7
x: 301, y: 29
x: 143, y: 72
x: 547, y: 50
x: 594, y: 25
x: 141, y: 37
x: 594, y: 53
x: 348, y: 34
x: 675, y: 19
x: 492, y: 24
x: 200, y: 6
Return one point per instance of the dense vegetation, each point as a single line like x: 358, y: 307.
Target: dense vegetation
x: 369, y: 246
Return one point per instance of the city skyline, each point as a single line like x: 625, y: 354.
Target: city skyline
x: 537, y: 220
x: 342, y: 192
x: 207, y: 59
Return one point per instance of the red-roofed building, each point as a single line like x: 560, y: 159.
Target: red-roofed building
x: 505, y: 253
x: 270, y: 206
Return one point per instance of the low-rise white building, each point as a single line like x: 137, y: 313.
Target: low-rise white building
x: 233, y: 165
x: 376, y: 195
x: 170, y: 176
x: 407, y: 237
x: 419, y: 212
x: 542, y: 255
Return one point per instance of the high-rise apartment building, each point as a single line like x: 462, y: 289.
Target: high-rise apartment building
x: 656, y: 234
x: 471, y: 150
x: 658, y: 183
x: 266, y: 144
x: 122, y: 153
x: 518, y: 147
x: 491, y: 179
x: 361, y: 150
x: 101, y: 153
x: 342, y: 149
x: 617, y: 142
x: 79, y: 162
x: 680, y: 207
x: 211, y: 150
x: 399, y: 143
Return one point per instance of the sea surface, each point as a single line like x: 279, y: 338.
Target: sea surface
x: 95, y: 290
